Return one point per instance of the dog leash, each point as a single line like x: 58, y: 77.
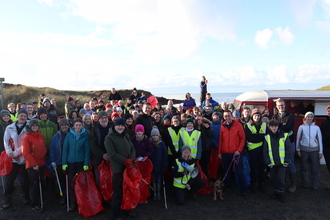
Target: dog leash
x: 234, y: 161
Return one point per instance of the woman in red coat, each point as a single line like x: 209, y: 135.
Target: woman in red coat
x: 34, y: 151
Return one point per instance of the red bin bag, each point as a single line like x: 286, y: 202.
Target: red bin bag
x: 6, y: 164
x: 131, y: 188
x: 106, y: 186
x: 145, y: 168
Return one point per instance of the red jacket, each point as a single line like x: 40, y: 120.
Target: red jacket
x: 231, y: 140
x: 34, y: 149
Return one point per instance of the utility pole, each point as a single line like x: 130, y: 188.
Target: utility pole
x: 2, y: 96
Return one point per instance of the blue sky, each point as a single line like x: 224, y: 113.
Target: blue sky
x: 165, y: 46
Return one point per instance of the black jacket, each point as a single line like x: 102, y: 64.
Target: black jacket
x: 325, y: 129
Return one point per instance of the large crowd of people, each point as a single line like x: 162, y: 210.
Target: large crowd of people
x: 210, y: 136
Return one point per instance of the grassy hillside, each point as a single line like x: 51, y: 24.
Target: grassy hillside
x: 20, y: 93
x: 324, y: 88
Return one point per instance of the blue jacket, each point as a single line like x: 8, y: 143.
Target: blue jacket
x: 189, y: 103
x: 159, y: 159
x: 213, y: 103
x: 56, y: 147
x: 216, y: 125
x: 76, y: 147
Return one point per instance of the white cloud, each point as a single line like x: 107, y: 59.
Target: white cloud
x: 48, y: 2
x: 302, y: 10
x: 278, y: 76
x: 326, y: 8
x: 262, y: 38
x: 313, y: 74
x: 285, y: 35
x: 60, y: 39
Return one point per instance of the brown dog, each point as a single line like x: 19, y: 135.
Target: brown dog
x: 218, y: 188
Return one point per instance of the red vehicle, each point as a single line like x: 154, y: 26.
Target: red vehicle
x: 262, y: 99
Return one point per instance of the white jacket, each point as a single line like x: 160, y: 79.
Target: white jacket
x: 309, y: 138
x: 11, y: 133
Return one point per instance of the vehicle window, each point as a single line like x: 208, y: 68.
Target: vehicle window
x: 260, y: 107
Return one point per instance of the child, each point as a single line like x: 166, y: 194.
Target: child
x: 159, y: 160
x: 277, y: 147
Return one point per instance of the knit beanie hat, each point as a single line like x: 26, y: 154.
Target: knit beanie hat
x: 100, y: 100
x: 102, y: 113
x: 64, y: 121
x: 309, y: 113
x: 154, y: 131
x: 70, y: 99
x: 46, y: 100
x: 115, y: 114
x: 23, y: 110
x: 236, y: 113
x: 41, y: 111
x: 86, y: 104
x: 166, y: 117
x: 34, y: 122
x: 217, y: 113
x: 128, y: 115
x: 4, y: 112
x: 139, y: 128
x: 120, y: 121
x: 82, y: 111
x: 186, y: 147
x: 189, y: 120
x: 255, y: 111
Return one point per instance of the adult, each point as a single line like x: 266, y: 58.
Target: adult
x: 69, y: 106
x: 255, y: 131
x: 55, y: 153
x: 224, y: 107
x: 189, y: 102
x: 208, y: 113
x: 29, y: 109
x: 209, y: 100
x: 246, y: 115
x: 171, y: 138
x: 204, y: 126
x: 87, y: 122
x: 309, y: 146
x: 286, y: 124
x: 4, y: 122
x: 171, y: 106
x: 77, y: 105
x: 182, y: 180
x: 98, y: 134
x: 203, y: 86
x: 134, y: 96
x: 130, y: 125
x: 12, y: 111
x: 13, y: 136
x: 293, y: 108
x: 47, y: 128
x: 145, y: 119
x: 305, y: 107
x: 192, y: 138
x: 120, y: 151
x: 75, y: 155
x: 34, y: 152
x: 325, y: 129
x: 52, y: 111
x: 231, y: 144
x: 114, y: 95
x: 277, y: 153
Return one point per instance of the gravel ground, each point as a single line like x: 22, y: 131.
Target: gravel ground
x: 303, y: 204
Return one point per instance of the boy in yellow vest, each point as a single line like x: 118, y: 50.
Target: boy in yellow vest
x: 276, y: 148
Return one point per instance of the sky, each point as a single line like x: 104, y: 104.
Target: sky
x: 166, y: 46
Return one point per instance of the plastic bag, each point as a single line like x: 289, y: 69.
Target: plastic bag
x: 106, y: 186
x: 153, y: 101
x: 145, y: 168
x: 6, y: 164
x: 214, y: 163
x: 131, y: 188
x: 246, y: 171
x: 88, y: 197
x: 206, y: 188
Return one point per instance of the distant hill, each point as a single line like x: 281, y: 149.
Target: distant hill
x: 324, y: 88
x: 21, y: 93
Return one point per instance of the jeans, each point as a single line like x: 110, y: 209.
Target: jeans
x: 34, y: 176
x: 314, y: 158
x: 10, y: 178
x: 292, y: 167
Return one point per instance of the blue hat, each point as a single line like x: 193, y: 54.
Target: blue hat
x: 22, y: 110
x: 120, y: 121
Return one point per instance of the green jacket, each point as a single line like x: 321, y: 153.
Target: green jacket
x: 68, y: 108
x: 119, y: 147
x: 47, y: 129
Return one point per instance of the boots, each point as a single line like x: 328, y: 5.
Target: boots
x: 158, y: 185
x: 73, y: 203
x: 281, y: 196
x: 7, y: 202
x: 155, y: 186
x: 292, y: 187
x: 275, y: 194
x: 26, y: 199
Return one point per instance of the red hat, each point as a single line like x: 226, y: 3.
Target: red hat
x: 115, y: 114
x: 108, y: 105
x: 70, y: 99
x: 255, y: 111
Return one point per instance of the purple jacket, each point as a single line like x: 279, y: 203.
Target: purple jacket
x: 189, y: 103
x: 143, y: 147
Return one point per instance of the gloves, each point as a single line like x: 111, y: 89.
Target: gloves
x: 54, y: 165
x: 86, y: 168
x: 64, y: 167
x: 184, y: 164
x: 128, y: 163
x: 286, y: 164
x: 270, y: 165
x: 36, y: 167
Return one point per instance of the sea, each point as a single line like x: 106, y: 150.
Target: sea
x: 219, y: 97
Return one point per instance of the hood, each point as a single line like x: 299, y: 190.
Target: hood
x: 81, y: 134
